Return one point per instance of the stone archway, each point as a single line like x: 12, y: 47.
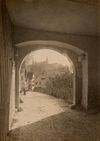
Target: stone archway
x: 58, y: 54
x: 78, y: 57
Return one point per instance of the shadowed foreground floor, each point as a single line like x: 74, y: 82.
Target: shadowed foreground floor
x: 64, y: 125
x: 67, y: 126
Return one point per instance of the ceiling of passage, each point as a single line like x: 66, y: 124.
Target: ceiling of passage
x: 68, y: 16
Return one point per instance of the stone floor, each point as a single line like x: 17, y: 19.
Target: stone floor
x: 63, y: 124
x: 37, y: 106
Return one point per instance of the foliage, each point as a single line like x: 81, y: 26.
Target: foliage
x: 61, y: 86
x: 63, y: 80
x: 59, y: 82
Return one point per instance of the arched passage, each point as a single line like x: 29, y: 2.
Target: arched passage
x: 58, y: 69
x: 50, y: 64
x: 77, y: 56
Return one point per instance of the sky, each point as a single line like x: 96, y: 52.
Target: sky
x: 52, y: 56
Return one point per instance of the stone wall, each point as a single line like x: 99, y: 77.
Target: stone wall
x: 6, y: 59
x: 98, y: 72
